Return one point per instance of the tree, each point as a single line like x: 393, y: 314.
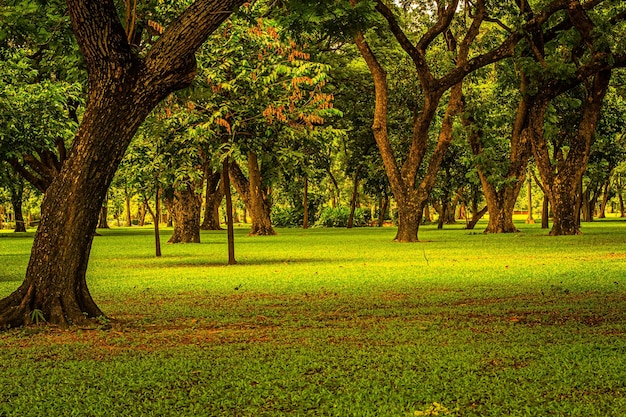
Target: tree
x: 15, y: 186
x: 410, y: 194
x: 570, y: 70
x: 263, y: 87
x: 41, y: 88
x: 124, y: 87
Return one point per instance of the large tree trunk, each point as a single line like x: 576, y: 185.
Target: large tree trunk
x: 409, y: 219
x: 123, y: 89
x: 214, y: 194
x: 500, y: 205
x: 563, y: 204
x: 186, y: 213
x: 17, y: 193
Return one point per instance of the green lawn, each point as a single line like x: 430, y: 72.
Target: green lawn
x: 333, y: 322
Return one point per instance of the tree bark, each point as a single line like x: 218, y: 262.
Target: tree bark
x: 384, y: 206
x: 129, y: 221
x: 253, y: 195
x: 123, y: 89
x: 214, y: 194
x: 476, y: 216
x: 229, y: 212
x: 186, y: 213
x: 605, y: 199
x: 305, y: 204
x: 354, y: 199
x: 103, y: 219
x: 156, y: 215
x: 545, y: 213
x: 17, y: 193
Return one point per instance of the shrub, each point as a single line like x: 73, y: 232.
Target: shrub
x: 287, y: 217
x: 338, y: 217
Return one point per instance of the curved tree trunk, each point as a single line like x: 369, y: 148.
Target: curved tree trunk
x: 123, y: 89
x: 476, y: 216
x: 253, y: 196
x: 186, y: 213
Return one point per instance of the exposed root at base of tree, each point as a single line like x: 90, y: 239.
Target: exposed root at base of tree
x: 262, y: 231
x: 24, y: 308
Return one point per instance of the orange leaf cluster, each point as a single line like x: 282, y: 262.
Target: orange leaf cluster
x: 278, y: 113
x: 224, y: 123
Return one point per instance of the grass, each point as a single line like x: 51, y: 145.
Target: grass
x: 328, y: 322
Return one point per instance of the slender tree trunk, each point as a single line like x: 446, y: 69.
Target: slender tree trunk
x: 585, y: 203
x: 354, y: 199
x: 622, y: 212
x: 545, y: 213
x: 450, y: 216
x: 229, y: 213
x: 384, y: 206
x: 259, y: 205
x: 443, y: 210
x: 186, y: 211
x: 427, y: 217
x: 156, y: 215
x: 529, y: 198
x: 305, y: 204
x: 605, y: 199
x: 129, y: 221
x: 476, y: 216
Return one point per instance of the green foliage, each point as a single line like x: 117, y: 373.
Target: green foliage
x: 338, y: 217
x: 287, y: 216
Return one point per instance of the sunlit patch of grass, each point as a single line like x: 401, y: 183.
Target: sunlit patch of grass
x: 333, y: 322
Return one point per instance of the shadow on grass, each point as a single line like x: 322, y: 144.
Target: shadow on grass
x: 240, y: 263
